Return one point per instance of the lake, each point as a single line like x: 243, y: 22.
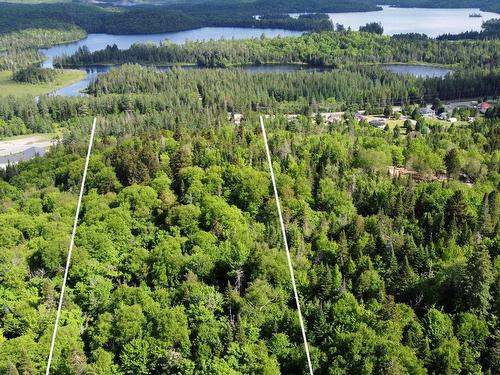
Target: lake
x: 418, y: 70
x: 76, y: 89
x: 96, y: 42
x: 432, y: 22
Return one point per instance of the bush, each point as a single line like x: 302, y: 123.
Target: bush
x: 35, y: 75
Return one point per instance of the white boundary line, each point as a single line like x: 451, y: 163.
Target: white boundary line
x: 283, y: 232
x: 68, y: 260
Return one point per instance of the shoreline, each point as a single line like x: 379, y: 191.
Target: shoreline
x: 8, y: 87
x: 301, y: 64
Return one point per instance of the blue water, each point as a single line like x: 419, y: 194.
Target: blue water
x: 432, y: 22
x: 96, y: 42
x: 76, y: 89
x: 418, y: 70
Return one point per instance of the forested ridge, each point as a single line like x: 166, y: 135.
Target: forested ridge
x: 138, y: 20
x: 179, y: 267
x: 276, y: 6
x: 323, y: 5
x: 24, y: 28
x: 332, y: 49
x: 19, y: 49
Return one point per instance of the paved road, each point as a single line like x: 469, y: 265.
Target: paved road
x: 450, y: 105
x: 14, y: 150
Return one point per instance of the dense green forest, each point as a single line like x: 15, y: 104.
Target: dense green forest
x: 177, y: 93
x: 131, y: 20
x: 19, y: 49
x: 323, y: 5
x: 39, y: 38
x: 35, y: 75
x: 358, y: 88
x: 179, y: 267
x: 332, y: 49
x: 273, y: 6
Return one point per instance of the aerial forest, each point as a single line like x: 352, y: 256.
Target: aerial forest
x: 179, y: 265
x: 326, y: 49
x: 389, y: 185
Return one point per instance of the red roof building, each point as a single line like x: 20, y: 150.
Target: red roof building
x: 483, y: 107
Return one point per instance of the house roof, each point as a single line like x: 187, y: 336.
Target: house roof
x: 484, y: 105
x: 426, y: 110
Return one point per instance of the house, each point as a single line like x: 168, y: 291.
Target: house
x: 483, y: 107
x: 452, y: 120
x: 377, y: 123
x: 427, y: 112
x: 237, y: 117
x: 359, y: 116
x: 443, y: 116
x: 331, y: 117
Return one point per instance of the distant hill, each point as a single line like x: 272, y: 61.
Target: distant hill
x: 251, y: 5
x: 283, y: 5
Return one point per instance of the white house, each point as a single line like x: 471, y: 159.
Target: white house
x: 427, y: 112
x: 331, y: 117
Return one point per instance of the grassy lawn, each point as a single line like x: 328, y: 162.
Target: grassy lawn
x: 393, y: 123
x: 10, y: 87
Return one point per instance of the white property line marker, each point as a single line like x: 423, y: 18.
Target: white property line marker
x: 283, y: 232
x: 68, y: 260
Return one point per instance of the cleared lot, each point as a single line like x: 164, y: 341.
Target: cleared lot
x: 16, y: 149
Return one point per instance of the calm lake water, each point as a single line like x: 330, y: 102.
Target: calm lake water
x: 95, y: 42
x: 432, y: 22
x: 76, y: 88
x: 418, y: 70
x: 93, y: 71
